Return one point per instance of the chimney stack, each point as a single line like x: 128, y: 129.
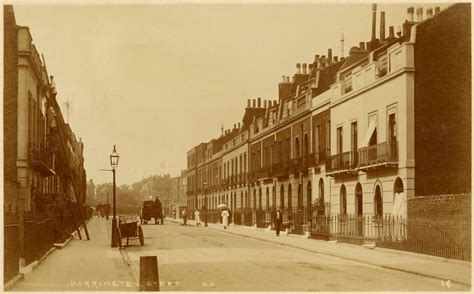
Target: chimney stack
x: 419, y: 14
x: 437, y: 10
x: 429, y: 12
x: 248, y: 103
x: 298, y: 68
x: 382, y: 26
x: 304, y: 68
x: 410, y: 12
x: 362, y: 46
x: 391, y: 33
x: 259, y: 102
x: 329, y: 55
x: 374, y: 20
x: 253, y: 103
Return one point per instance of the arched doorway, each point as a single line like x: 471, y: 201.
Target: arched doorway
x: 399, y: 207
x: 343, y: 200
x: 309, y: 195
x: 254, y: 199
x: 378, y: 202
x: 274, y: 197
x: 267, y: 199
x: 290, y: 203
x: 359, y: 210
x: 300, y: 197
x: 282, y: 197
x: 260, y: 198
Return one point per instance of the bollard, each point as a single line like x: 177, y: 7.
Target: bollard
x: 149, y: 278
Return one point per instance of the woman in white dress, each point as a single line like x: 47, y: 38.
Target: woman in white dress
x: 225, y: 218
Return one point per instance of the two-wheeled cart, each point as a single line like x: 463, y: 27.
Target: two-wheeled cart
x: 129, y: 227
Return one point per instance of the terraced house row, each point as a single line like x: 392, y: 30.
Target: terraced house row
x: 366, y: 148
x: 44, y: 175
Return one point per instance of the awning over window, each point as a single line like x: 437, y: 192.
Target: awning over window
x: 370, y: 131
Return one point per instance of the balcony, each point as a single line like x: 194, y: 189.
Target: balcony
x: 378, y: 156
x: 41, y: 159
x: 280, y: 168
x: 300, y: 164
x: 340, y: 164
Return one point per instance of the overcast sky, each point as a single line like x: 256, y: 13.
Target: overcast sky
x: 157, y: 80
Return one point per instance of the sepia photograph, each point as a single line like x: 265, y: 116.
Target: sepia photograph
x: 241, y: 146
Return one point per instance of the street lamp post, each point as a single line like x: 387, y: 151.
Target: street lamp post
x: 114, y: 158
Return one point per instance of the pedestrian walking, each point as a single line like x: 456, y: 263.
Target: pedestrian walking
x: 185, y: 217
x: 197, y: 217
x: 278, y: 221
x: 225, y: 218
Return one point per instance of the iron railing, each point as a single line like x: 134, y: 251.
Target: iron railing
x: 378, y: 153
x: 10, y: 246
x: 343, y: 161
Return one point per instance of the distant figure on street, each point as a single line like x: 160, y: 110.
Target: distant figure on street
x: 225, y: 218
x: 197, y: 217
x: 278, y: 221
x: 174, y: 214
x: 185, y: 217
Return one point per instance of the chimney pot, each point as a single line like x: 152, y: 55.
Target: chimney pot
x: 264, y: 103
x: 399, y: 31
x: 362, y: 46
x: 292, y: 79
x: 391, y: 33
x: 283, y: 78
x: 248, y: 102
x: 382, y: 26
x: 253, y: 103
x: 298, y: 68
x: 258, y: 102
x: 419, y: 14
x: 304, y: 67
x: 429, y: 12
x: 335, y: 58
x: 287, y: 79
x: 310, y: 67
x: 235, y: 126
x: 239, y: 125
x: 374, y: 20
x: 437, y: 10
x: 410, y: 12
x: 329, y: 55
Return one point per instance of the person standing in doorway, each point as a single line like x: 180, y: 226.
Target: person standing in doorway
x: 197, y: 217
x: 225, y: 218
x: 278, y: 221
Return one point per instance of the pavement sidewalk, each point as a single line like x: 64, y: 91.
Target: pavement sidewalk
x: 82, y: 266
x: 443, y: 269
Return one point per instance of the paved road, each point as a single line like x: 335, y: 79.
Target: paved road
x: 200, y: 259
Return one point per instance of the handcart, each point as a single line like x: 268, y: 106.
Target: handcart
x: 129, y: 227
